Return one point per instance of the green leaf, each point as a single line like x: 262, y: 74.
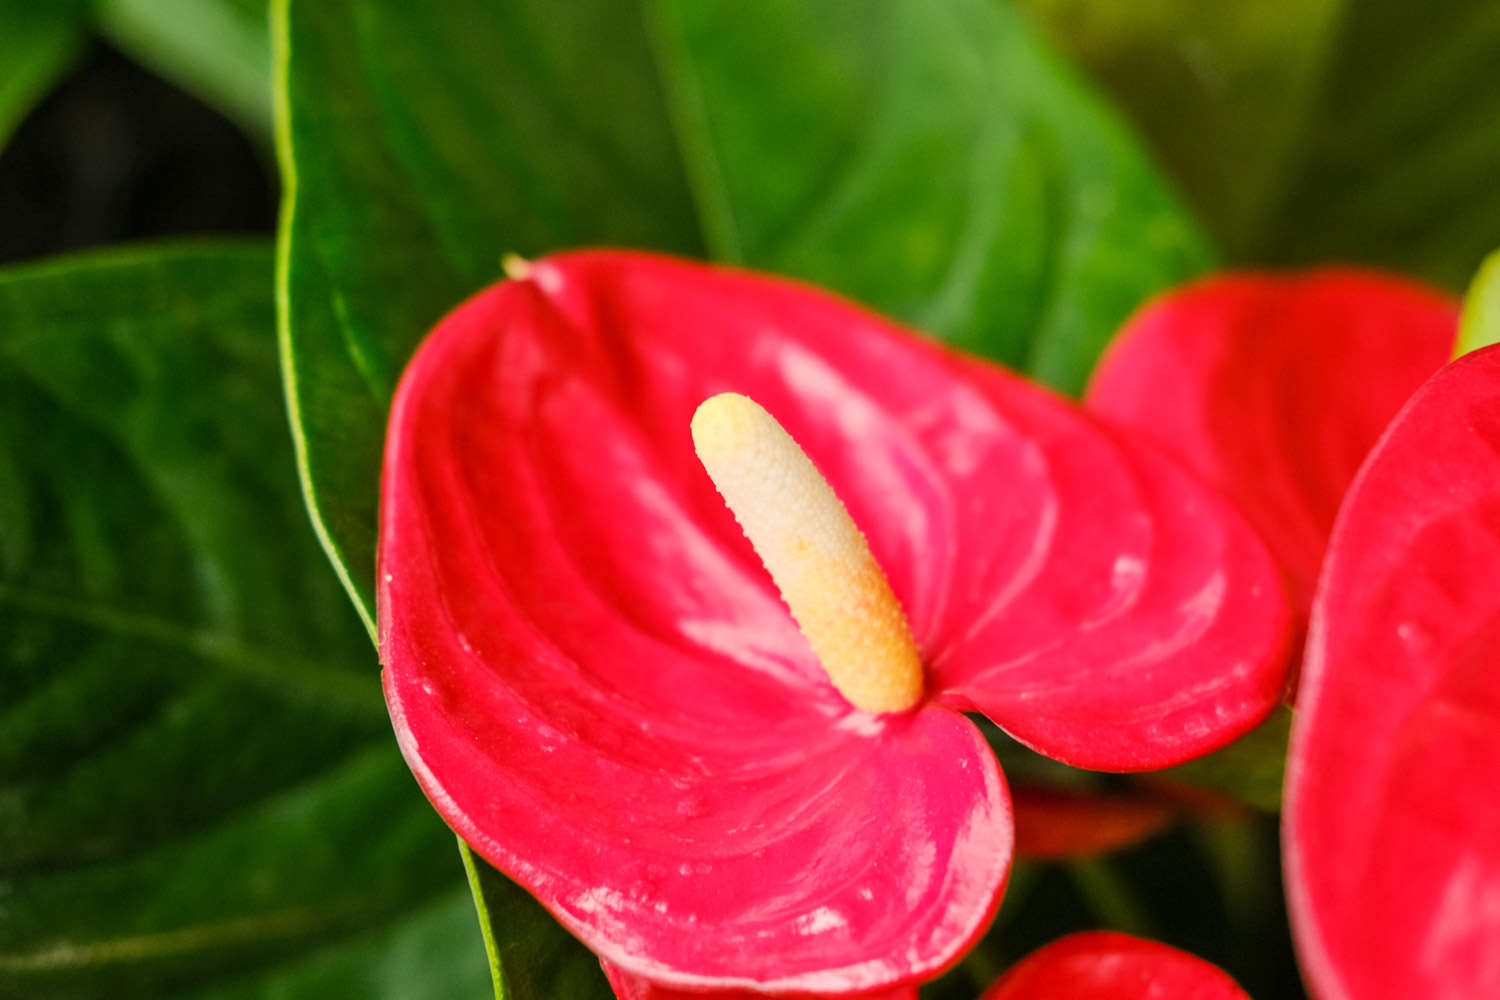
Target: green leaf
x: 930, y: 159
x: 531, y: 957
x: 1399, y: 163
x: 217, y: 49
x: 1328, y: 130
x: 427, y: 955
x: 420, y: 143
x: 197, y: 779
x: 41, y: 41
x: 1480, y: 323
x: 1223, y: 91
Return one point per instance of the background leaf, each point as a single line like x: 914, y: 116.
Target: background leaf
x: 1480, y: 323
x: 1346, y: 130
x: 930, y: 159
x: 1222, y: 90
x: 461, y: 132
x: 196, y: 772
x: 218, y: 50
x: 41, y: 42
x: 426, y: 955
x: 1398, y: 164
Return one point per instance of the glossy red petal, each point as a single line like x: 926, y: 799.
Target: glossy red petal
x: 1104, y: 965
x: 1143, y: 625
x: 1392, y: 828
x: 629, y: 987
x: 1275, y: 387
x: 598, y: 686
x: 599, y: 689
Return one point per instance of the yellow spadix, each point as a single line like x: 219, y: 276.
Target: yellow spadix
x: 816, y: 555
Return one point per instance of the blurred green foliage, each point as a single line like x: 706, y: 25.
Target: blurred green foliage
x: 1356, y: 131
x: 198, y: 787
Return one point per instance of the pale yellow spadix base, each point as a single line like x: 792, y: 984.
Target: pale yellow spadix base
x: 814, y: 552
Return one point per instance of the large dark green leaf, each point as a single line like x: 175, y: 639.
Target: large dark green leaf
x: 930, y: 159
x: 40, y: 41
x: 1349, y: 130
x: 427, y: 955
x: 420, y: 143
x: 196, y: 774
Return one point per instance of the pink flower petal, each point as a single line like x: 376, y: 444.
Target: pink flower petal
x: 601, y: 692
x: 1274, y: 388
x: 600, y: 689
x: 1103, y: 965
x: 1392, y: 828
x: 1145, y: 625
x: 628, y: 987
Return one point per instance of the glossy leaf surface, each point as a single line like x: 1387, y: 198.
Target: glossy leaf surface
x: 947, y: 170
x: 1275, y: 387
x: 1103, y: 965
x: 196, y: 777
x: 566, y: 604
x: 437, y: 159
x: 1392, y: 830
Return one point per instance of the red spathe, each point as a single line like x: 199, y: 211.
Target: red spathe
x: 1274, y: 388
x: 1104, y: 965
x: 1392, y: 823
x: 599, y: 688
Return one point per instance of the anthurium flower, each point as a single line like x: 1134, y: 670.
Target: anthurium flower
x: 629, y: 987
x: 599, y: 686
x: 1104, y: 965
x: 1392, y: 823
x: 1274, y: 387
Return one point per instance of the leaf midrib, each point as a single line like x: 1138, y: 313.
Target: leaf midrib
x: 288, y: 675
x: 284, y: 924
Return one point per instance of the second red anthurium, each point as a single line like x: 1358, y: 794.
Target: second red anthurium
x: 1392, y: 825
x: 598, y: 683
x: 1275, y: 386
x: 1104, y: 965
